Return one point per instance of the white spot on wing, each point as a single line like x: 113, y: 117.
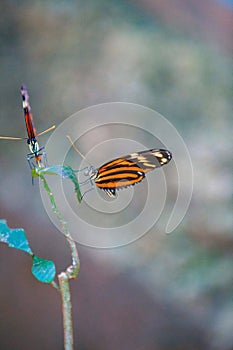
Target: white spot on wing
x: 133, y: 155
x: 150, y: 165
x: 158, y: 154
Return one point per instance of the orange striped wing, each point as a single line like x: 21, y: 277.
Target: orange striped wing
x: 129, y: 170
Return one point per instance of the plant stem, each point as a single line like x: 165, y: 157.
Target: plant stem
x: 54, y: 284
x: 66, y: 311
x: 70, y: 273
x: 73, y: 270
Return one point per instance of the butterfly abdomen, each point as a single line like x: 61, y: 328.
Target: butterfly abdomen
x: 31, y: 130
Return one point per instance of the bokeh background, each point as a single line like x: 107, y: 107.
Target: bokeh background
x: 162, y: 292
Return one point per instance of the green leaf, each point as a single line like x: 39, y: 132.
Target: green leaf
x: 64, y: 171
x: 15, y: 238
x: 43, y: 270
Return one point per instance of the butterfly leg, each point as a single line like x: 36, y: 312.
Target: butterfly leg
x: 30, y: 156
x: 31, y: 164
x: 42, y: 161
x: 38, y: 159
x: 44, y: 156
x: 84, y: 170
x: 90, y: 189
x: 85, y: 182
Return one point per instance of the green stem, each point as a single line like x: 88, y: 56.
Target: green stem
x: 73, y: 270
x: 54, y: 284
x: 70, y: 273
x: 66, y: 311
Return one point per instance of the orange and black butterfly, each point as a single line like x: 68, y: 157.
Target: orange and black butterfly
x: 35, y: 150
x: 127, y: 170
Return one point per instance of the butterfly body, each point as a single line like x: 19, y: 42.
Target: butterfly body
x: 34, y: 148
x: 128, y: 170
x: 31, y: 130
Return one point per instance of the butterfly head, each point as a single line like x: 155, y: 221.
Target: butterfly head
x: 33, y: 145
x: 92, y: 172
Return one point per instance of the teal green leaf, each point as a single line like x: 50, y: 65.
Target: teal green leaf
x: 15, y: 238
x: 64, y: 171
x: 43, y: 270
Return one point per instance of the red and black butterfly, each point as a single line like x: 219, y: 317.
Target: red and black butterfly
x: 35, y: 150
x: 127, y: 170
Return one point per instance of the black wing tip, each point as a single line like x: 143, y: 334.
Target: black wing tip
x: 167, y: 153
x: 164, y: 152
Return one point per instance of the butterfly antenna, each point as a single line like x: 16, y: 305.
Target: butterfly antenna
x: 47, y: 130
x: 75, y: 147
x: 12, y: 138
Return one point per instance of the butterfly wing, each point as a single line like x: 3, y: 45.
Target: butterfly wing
x: 151, y: 159
x: 129, y: 170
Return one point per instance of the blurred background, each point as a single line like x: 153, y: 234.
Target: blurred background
x: 162, y: 292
